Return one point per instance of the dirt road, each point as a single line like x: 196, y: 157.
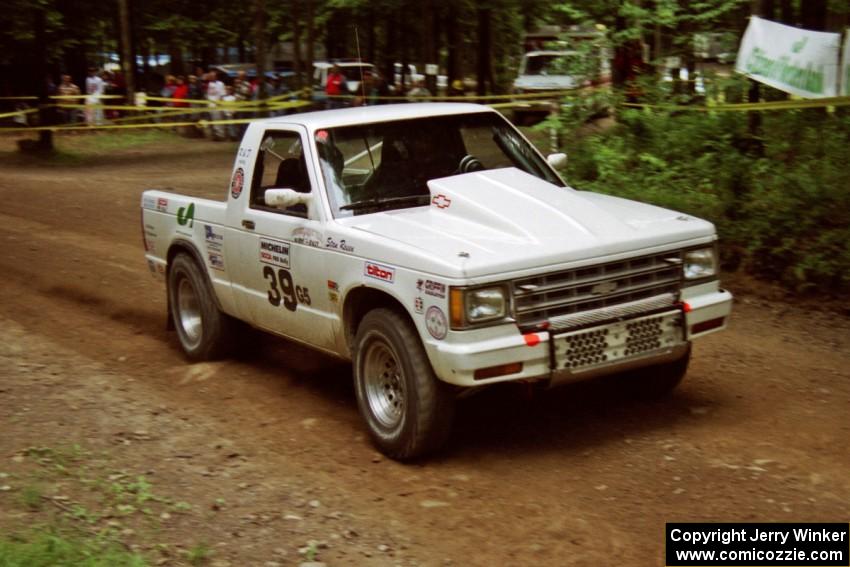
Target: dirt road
x: 259, y: 458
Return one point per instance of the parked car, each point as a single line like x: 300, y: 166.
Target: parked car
x: 550, y: 71
x: 354, y: 71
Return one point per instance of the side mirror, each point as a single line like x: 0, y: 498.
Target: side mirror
x: 284, y: 198
x: 558, y: 161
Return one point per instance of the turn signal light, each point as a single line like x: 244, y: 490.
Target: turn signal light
x: 501, y: 370
x: 456, y: 307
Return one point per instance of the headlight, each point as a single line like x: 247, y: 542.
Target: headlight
x: 700, y: 264
x: 484, y: 304
x: 478, y: 305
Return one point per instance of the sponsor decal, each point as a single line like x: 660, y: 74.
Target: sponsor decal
x: 379, y: 272
x: 186, y: 215
x: 274, y: 252
x: 162, y: 204
x: 307, y: 237
x: 430, y: 287
x: 435, y: 321
x: 341, y: 245
x: 149, y: 235
x: 212, y: 238
x: 418, y: 305
x: 441, y: 201
x: 148, y: 203
x: 333, y: 291
x: 216, y: 260
x: 237, y: 182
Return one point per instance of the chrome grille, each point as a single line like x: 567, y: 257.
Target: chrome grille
x: 557, y: 294
x: 618, y: 341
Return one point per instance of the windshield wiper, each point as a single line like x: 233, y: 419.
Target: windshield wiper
x: 379, y: 202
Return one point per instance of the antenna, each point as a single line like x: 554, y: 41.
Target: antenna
x: 360, y: 60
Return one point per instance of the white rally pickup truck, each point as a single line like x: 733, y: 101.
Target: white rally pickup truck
x: 436, y: 249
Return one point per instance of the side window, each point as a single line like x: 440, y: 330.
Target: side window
x: 480, y: 143
x: 280, y: 165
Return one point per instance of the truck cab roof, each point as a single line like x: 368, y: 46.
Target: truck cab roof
x: 371, y: 114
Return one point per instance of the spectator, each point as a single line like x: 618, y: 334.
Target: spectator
x: 195, y: 88
x: 215, y: 92
x: 418, y: 90
x: 68, y: 88
x: 334, y: 87
x: 168, y: 89
x: 242, y: 87
x: 230, y: 96
x: 181, y: 91
x: 94, y: 91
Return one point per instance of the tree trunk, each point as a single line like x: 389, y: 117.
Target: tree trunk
x: 453, y: 67
x: 260, y: 47
x: 311, y: 38
x: 786, y: 12
x: 371, y: 37
x: 297, y: 64
x: 813, y: 14
x: 484, y: 67
x: 127, y: 63
x: 391, y: 47
x: 46, y: 113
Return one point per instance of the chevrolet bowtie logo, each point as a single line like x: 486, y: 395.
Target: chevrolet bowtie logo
x: 441, y: 201
x: 603, y: 288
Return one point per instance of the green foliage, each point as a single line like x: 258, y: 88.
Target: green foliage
x: 780, y: 203
x: 53, y: 549
x: 31, y: 497
x: 198, y: 554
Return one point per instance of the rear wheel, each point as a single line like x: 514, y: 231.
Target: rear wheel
x: 203, y: 330
x: 407, y: 409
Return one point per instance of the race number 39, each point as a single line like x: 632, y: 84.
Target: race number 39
x: 282, y: 288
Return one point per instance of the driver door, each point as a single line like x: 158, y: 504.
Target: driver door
x: 280, y: 285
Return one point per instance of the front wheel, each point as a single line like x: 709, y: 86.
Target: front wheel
x: 203, y: 330
x: 407, y: 409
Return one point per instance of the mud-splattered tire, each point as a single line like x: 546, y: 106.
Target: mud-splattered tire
x: 203, y: 330
x: 407, y: 409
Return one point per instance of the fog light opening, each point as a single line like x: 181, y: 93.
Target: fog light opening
x: 495, y: 371
x: 707, y: 325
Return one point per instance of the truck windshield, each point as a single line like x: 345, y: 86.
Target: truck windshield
x: 387, y: 165
x: 549, y: 64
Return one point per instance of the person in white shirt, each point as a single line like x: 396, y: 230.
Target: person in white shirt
x: 215, y: 93
x: 94, y: 91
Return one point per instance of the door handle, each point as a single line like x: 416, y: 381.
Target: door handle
x: 249, y: 224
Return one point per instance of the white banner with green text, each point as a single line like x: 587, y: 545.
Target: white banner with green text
x: 794, y: 60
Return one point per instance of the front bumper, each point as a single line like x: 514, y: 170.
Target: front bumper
x: 600, y: 347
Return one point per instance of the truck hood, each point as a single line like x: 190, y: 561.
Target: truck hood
x: 506, y: 220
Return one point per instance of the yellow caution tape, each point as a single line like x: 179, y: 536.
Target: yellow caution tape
x: 200, y: 123
x: 19, y: 112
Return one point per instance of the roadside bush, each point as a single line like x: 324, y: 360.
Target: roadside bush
x: 51, y: 549
x: 781, y: 203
